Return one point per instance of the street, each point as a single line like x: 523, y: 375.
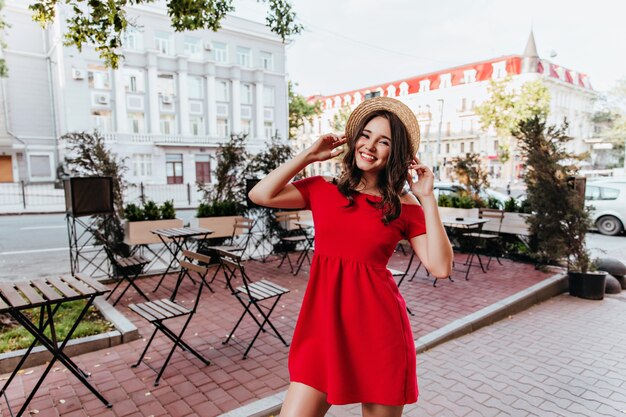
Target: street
x: 37, y: 245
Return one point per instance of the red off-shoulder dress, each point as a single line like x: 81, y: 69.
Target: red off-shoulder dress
x: 353, y: 339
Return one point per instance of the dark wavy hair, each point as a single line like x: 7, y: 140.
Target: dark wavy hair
x: 391, y: 179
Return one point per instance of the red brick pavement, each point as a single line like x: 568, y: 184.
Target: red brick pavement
x: 188, y: 388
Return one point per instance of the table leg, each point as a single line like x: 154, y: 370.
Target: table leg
x: 57, y: 352
x: 174, y: 250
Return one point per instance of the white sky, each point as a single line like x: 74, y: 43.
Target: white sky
x: 349, y: 44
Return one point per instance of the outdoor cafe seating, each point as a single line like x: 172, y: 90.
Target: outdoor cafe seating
x: 159, y: 311
x: 263, y: 295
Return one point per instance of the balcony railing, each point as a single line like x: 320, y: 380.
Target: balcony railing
x: 160, y: 139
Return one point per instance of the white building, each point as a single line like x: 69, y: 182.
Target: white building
x: 174, y: 98
x: 444, y: 103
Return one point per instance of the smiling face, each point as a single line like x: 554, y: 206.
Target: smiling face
x: 373, y: 146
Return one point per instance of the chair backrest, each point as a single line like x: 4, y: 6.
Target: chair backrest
x: 188, y: 265
x: 287, y: 219
x: 493, y: 215
x: 242, y: 226
x: 232, y: 264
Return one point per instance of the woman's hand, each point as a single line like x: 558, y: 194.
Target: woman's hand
x: 326, y: 147
x: 423, y: 187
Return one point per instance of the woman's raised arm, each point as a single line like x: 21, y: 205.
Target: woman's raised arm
x: 274, y: 190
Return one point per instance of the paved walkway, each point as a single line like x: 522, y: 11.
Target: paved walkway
x: 564, y: 357
x: 190, y: 389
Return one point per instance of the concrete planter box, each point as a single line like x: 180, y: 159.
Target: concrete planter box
x: 457, y: 212
x: 222, y: 226
x: 140, y: 233
x: 515, y: 223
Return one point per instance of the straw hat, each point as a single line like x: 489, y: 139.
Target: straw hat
x: 392, y: 105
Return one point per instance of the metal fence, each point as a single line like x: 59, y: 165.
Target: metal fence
x: 20, y: 196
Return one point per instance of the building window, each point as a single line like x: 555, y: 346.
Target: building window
x: 223, y: 130
x: 168, y: 124
x: 102, y: 120
x: 462, y: 147
x: 469, y: 76
x: 244, y: 56
x: 268, y: 127
x: 99, y: 78
x: 136, y: 122
x: 463, y: 104
x: 447, y: 148
x: 496, y: 145
x: 163, y: 43
x: 194, y: 87
x: 40, y: 166
x: 499, y: 69
x: 268, y: 96
x: 134, y: 80
x: 220, y: 52
x: 174, y: 168
x: 445, y: 80
x: 471, y: 147
x: 193, y: 47
x: 448, y: 128
x: 196, y: 125
x: 166, y: 85
x: 203, y: 169
x: 246, y: 94
x: 133, y: 39
x: 371, y: 94
x: 266, y: 60
x: 142, y: 165
x: 246, y: 126
x: 222, y: 91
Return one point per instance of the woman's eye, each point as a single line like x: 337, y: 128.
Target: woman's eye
x: 363, y: 135
x: 385, y: 142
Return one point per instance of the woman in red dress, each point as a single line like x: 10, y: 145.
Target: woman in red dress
x: 353, y: 341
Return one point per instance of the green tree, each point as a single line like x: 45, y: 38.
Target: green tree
x: 3, y: 25
x: 300, y: 110
x: 506, y: 108
x: 89, y: 157
x: 276, y: 153
x: 341, y: 118
x: 611, y: 119
x: 232, y: 159
x: 469, y: 171
x: 559, y: 219
x: 103, y: 22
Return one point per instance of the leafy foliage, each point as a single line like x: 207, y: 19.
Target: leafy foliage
x: 4, y: 72
x: 300, y: 110
x: 511, y: 205
x: 469, y: 171
x: 506, y: 108
x: 88, y: 156
x: 167, y: 210
x: 559, y: 219
x: 151, y: 210
x: 276, y: 153
x: 134, y: 213
x: 103, y: 22
x: 232, y: 159
x: 341, y: 118
x: 220, y: 208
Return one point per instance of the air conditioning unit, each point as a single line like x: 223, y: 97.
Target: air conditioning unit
x: 103, y: 99
x: 167, y: 99
x: 195, y: 107
x: 208, y: 46
x: 78, y: 74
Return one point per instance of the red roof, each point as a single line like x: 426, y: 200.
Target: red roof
x: 484, y: 70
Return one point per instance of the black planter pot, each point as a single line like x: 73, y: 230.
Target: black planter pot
x: 588, y: 285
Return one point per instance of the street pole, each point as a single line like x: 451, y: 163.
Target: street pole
x: 438, y: 147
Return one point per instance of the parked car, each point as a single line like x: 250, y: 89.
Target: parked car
x: 607, y: 198
x: 451, y: 188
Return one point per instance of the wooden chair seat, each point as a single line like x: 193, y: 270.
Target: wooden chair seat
x: 159, y: 310
x: 262, y: 290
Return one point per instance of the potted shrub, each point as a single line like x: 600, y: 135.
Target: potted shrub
x: 140, y: 221
x: 219, y: 216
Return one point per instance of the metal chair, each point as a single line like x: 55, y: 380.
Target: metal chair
x: 491, y: 234
x: 157, y: 312
x: 251, y: 294
x: 295, y: 236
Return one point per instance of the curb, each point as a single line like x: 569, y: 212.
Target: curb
x: 514, y: 304
x: 124, y: 332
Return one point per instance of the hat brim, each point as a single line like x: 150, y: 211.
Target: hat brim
x: 404, y: 113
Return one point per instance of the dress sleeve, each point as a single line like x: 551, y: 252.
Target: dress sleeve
x: 415, y: 221
x: 307, y: 187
